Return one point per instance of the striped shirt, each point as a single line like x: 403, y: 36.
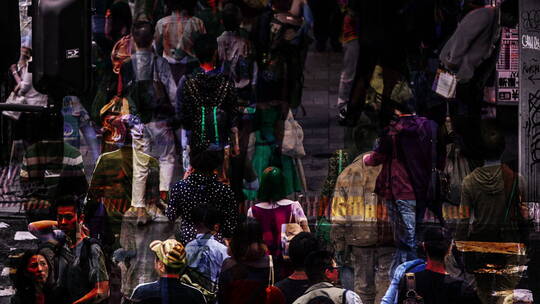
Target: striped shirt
x: 49, y: 160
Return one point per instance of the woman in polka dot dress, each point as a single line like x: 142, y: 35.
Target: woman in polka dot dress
x: 202, y: 188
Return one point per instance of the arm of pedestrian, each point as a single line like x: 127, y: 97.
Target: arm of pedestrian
x: 305, y: 226
x: 373, y: 159
x: 99, y: 293
x: 39, y: 226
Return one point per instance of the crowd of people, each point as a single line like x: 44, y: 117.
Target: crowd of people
x: 193, y: 113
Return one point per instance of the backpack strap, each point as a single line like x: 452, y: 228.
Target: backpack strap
x: 86, y: 252
x: 344, y: 300
x: 410, y: 279
x: 216, y: 132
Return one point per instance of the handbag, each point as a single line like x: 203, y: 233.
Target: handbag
x: 293, y: 138
x: 456, y: 168
x: 438, y: 186
x: 272, y: 293
x: 445, y: 84
x: 288, y: 232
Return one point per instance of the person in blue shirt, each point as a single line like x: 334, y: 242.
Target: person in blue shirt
x: 205, y: 254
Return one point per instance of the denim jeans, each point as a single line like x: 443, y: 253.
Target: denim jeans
x: 371, y: 265
x: 351, y: 50
x: 402, y: 214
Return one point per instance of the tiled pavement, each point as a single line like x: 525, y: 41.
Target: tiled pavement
x: 322, y: 135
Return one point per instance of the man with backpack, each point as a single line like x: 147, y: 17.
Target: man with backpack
x: 205, y: 254
x: 493, y: 219
x: 322, y: 273
x: 206, y: 102
x: 150, y: 88
x: 79, y: 264
x: 433, y: 285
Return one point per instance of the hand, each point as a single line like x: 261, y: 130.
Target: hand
x: 85, y: 229
x: 188, y: 173
x: 235, y: 150
x: 365, y: 157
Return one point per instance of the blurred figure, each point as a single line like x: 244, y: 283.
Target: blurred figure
x: 492, y: 212
x: 247, y: 276
x: 24, y: 92
x: 170, y: 263
x: 295, y: 285
x: 323, y: 273
x: 151, y: 89
x: 471, y: 54
x: 361, y: 230
x: 201, y: 188
x: 351, y: 49
x: 32, y: 281
x: 327, y: 24
x: 280, y: 42
x: 207, y: 103
x: 236, y: 55
x: 175, y: 36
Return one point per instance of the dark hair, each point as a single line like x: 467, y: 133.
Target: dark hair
x: 121, y: 17
x: 281, y: 5
x: 143, y: 34
x: 231, y: 17
x: 247, y: 234
x: 205, y: 48
x: 272, y: 185
x: 436, y: 243
x: 206, y: 161
x: 179, y: 5
x: 493, y: 141
x: 205, y: 215
x: 316, y: 264
x: 69, y: 201
x: 23, y: 283
x: 300, y: 246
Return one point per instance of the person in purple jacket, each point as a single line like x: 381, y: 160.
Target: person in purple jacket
x: 406, y: 152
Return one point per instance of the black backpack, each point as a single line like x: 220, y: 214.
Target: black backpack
x: 411, y: 296
x: 149, y: 97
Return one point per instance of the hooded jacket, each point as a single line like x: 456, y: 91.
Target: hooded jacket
x: 409, y: 143
x: 486, y: 212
